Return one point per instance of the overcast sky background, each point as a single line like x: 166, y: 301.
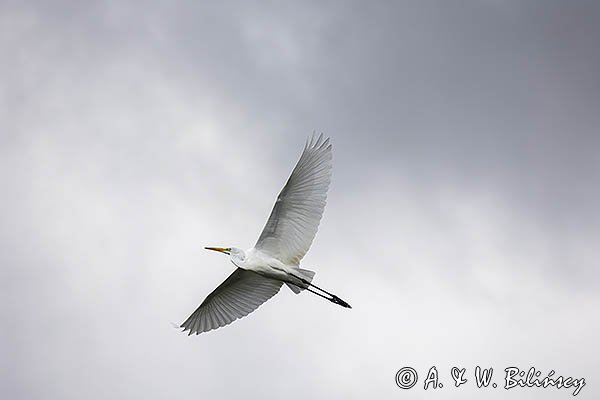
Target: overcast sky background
x: 462, y: 221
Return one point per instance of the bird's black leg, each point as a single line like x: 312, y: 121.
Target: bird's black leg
x: 334, y: 299
x: 320, y: 294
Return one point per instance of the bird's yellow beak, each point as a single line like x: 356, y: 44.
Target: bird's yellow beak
x: 225, y: 250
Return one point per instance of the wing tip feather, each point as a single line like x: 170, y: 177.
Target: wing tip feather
x: 321, y: 142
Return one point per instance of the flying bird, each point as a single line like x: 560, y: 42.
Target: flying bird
x: 275, y: 258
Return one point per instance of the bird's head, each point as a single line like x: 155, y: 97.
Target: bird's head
x: 234, y: 252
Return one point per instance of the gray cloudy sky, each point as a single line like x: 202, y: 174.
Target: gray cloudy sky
x: 462, y: 221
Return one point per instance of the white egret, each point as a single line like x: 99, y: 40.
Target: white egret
x: 275, y: 259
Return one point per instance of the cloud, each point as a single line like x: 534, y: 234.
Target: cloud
x: 461, y: 220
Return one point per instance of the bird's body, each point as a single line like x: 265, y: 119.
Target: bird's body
x: 263, y: 264
x: 275, y: 259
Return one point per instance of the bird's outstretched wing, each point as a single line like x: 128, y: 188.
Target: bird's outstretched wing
x: 295, y: 218
x: 240, y: 294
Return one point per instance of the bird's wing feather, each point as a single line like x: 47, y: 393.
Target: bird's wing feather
x: 295, y: 218
x: 240, y: 294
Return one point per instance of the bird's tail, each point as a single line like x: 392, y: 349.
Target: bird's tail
x: 305, y: 274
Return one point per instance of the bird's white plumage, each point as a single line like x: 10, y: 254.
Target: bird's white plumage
x: 240, y: 294
x: 295, y: 218
x: 285, y: 239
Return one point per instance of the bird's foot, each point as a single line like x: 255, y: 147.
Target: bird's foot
x: 340, y: 302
